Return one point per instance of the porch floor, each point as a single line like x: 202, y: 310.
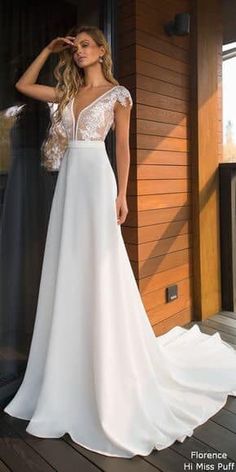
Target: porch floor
x: 22, y: 452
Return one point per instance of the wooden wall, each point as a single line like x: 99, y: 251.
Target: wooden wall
x: 157, y: 232
x: 206, y: 153
x: 220, y: 100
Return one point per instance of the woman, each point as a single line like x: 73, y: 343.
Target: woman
x: 95, y: 368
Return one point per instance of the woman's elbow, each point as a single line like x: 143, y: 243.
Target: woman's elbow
x: 19, y: 87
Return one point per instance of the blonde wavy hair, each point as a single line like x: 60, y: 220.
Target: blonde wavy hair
x: 70, y: 77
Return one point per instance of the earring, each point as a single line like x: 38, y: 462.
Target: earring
x: 100, y: 59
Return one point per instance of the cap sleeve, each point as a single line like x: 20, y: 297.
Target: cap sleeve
x: 124, y: 96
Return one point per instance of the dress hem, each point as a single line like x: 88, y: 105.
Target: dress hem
x: 188, y: 433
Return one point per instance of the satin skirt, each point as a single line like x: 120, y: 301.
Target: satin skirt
x: 96, y: 370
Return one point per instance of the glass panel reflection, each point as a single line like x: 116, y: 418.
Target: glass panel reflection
x: 26, y: 188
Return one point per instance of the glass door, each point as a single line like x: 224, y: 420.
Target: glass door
x: 26, y: 189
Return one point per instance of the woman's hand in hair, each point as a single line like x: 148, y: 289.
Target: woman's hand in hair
x: 27, y: 82
x: 60, y: 44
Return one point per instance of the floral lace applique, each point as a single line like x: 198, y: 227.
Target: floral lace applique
x: 93, y: 123
x: 96, y: 119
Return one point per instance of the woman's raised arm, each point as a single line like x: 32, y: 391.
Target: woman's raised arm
x: 27, y: 82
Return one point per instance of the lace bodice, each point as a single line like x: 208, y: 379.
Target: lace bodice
x: 95, y: 120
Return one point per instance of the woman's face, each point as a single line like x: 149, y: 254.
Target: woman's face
x: 86, y: 51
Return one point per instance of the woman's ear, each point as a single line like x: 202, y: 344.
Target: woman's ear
x: 102, y: 50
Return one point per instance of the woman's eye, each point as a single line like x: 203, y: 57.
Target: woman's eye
x: 85, y: 45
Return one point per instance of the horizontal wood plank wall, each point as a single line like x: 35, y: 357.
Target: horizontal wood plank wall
x: 157, y: 232
x: 163, y: 165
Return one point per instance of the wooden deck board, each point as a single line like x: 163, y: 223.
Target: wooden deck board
x: 224, y: 323
x: 3, y: 467
x: 226, y: 419
x: 225, y: 328
x: 194, y: 444
x: 231, y: 404
x: 22, y: 452
x: 208, y: 329
x: 57, y: 453
x: 17, y: 454
x: 113, y: 464
x: 168, y: 460
x: 217, y: 437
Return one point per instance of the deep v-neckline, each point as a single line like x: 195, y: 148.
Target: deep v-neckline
x: 76, y: 120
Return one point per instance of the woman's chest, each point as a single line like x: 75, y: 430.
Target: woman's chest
x: 93, y: 120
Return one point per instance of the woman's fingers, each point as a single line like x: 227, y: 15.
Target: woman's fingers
x: 121, y: 214
x: 70, y: 39
x: 68, y: 42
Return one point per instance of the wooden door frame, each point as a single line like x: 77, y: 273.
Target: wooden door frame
x: 205, y: 126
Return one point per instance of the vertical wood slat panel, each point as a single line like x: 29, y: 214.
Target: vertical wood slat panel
x: 207, y: 37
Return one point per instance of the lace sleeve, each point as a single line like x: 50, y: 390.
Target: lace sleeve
x: 124, y: 96
x: 54, y: 146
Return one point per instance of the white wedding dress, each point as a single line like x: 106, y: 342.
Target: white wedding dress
x: 96, y: 370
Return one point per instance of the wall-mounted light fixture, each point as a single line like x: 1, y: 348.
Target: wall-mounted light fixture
x: 180, y: 26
